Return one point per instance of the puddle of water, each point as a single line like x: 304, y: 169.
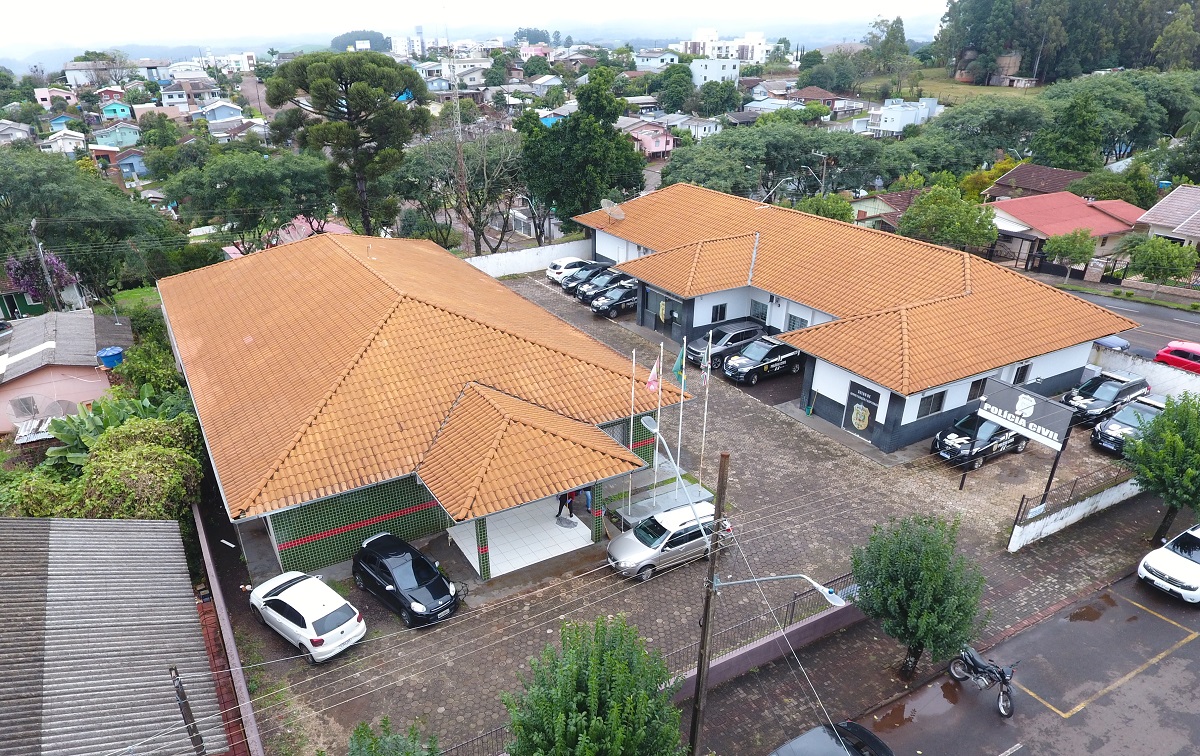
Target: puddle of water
x: 1085, y: 614
x: 930, y: 701
x: 1109, y: 600
x: 950, y: 692
x: 1132, y: 618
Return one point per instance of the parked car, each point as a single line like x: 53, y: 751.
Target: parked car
x: 616, y: 299
x: 664, y: 540
x: 762, y: 357
x: 835, y: 740
x: 1175, y: 568
x: 308, y: 614
x: 1115, y: 343
x: 582, y: 274
x: 1103, y: 394
x: 587, y: 291
x: 404, y: 580
x: 971, y: 440
x: 563, y: 266
x: 1184, y: 355
x: 1126, y: 425
x: 726, y: 340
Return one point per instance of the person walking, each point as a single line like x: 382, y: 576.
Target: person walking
x: 565, y: 501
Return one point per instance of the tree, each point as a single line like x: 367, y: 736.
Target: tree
x: 556, y: 39
x: 1072, y: 139
x: 157, y: 131
x: 364, y: 741
x: 942, y: 216
x: 370, y: 106
x: 911, y: 180
x: 531, y: 35
x: 987, y: 124
x: 555, y: 97
x: 673, y: 87
x: 1161, y: 261
x: 463, y: 111
x: 830, y: 206
x: 811, y: 58
x: 497, y: 73
x: 379, y: 43
x: 569, y: 41
x: 1071, y: 249
x: 1133, y: 185
x: 1175, y: 48
x: 1165, y: 458
x: 780, y: 53
x: 536, y: 66
x: 717, y: 97
x: 26, y: 273
x: 604, y: 693
x: 974, y: 183
x: 923, y: 593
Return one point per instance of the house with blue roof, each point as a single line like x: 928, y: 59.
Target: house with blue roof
x: 220, y: 110
x: 131, y: 162
x: 115, y: 110
x: 60, y: 121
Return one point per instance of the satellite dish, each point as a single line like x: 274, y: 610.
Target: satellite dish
x: 613, y: 209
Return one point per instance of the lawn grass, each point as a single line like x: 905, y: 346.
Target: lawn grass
x: 1127, y: 295
x: 937, y: 83
x: 145, y: 295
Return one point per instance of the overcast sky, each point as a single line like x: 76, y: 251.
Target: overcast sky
x: 24, y: 30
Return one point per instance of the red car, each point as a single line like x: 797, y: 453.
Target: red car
x: 1184, y: 355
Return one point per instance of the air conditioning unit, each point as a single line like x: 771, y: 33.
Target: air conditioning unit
x: 772, y: 299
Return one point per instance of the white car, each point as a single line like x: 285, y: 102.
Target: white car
x: 1175, y: 568
x: 308, y: 614
x: 562, y: 267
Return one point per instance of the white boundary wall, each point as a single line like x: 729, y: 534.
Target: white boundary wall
x: 1023, y: 535
x: 519, y: 261
x: 1164, y: 379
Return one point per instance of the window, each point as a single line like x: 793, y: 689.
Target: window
x: 758, y: 311
x: 931, y: 404
x: 976, y: 390
x: 718, y: 313
x: 1103, y: 241
x: 23, y: 407
x: 1022, y: 374
x: 795, y: 322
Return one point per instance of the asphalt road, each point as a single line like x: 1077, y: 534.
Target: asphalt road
x: 1159, y: 324
x: 1111, y: 674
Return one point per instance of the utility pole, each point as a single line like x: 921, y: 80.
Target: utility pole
x: 37, y: 244
x: 185, y: 709
x: 706, y: 620
x: 824, y: 165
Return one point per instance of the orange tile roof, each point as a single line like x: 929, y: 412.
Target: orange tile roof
x: 912, y: 315
x: 1063, y: 212
x: 344, y: 355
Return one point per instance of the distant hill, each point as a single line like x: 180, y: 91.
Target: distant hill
x: 54, y: 58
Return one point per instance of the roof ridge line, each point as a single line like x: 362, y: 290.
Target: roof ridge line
x: 695, y: 264
x: 472, y: 492
x: 905, y: 363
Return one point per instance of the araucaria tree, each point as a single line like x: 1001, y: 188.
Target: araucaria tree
x: 1165, y: 459
x: 369, y: 106
x: 924, y: 594
x: 604, y: 693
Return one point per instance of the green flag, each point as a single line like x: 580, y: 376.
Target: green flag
x: 678, y: 369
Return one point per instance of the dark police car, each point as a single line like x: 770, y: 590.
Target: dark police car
x: 1102, y: 395
x: 1126, y: 424
x: 972, y: 439
x: 582, y: 275
x: 763, y: 357
x: 616, y: 299
x: 587, y: 291
x: 726, y: 340
x: 404, y: 580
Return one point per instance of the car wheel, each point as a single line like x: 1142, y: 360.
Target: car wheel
x: 958, y: 670
x: 715, y: 362
x: 307, y: 654
x: 753, y: 379
x: 358, y: 581
x: 795, y: 368
x: 1020, y: 447
x: 406, y: 617
x: 612, y: 312
x: 646, y: 573
x: 257, y: 614
x: 976, y: 463
x: 933, y: 449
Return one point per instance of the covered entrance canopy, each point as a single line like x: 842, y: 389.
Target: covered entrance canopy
x: 522, y: 536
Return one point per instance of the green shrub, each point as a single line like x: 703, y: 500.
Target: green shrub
x: 1194, y: 306
x: 45, y: 492
x: 147, y: 322
x: 180, y: 432
x: 143, y: 481
x: 148, y: 363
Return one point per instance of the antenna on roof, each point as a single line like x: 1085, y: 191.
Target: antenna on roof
x: 613, y: 210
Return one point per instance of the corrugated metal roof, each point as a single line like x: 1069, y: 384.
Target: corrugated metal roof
x: 95, y: 612
x: 59, y: 338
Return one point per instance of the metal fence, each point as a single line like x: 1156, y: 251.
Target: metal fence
x: 491, y: 743
x: 1065, y: 494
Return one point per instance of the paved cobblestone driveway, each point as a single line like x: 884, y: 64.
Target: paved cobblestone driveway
x: 799, y: 503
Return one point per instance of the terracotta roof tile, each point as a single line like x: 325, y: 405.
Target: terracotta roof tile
x: 1063, y: 212
x: 346, y: 354
x: 1029, y: 178
x: 698, y: 268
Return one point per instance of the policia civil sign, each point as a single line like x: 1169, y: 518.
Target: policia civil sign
x: 1033, y: 416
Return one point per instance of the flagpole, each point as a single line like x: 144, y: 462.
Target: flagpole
x: 632, y: 412
x: 704, y: 424
x: 658, y: 414
x: 679, y: 437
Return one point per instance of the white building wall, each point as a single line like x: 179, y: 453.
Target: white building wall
x: 707, y: 69
x: 617, y: 249
x: 833, y: 382
x: 736, y: 301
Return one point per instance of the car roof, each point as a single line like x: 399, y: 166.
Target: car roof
x: 563, y: 260
x: 385, y: 545
x: 311, y: 597
x: 773, y: 341
x: 682, y: 515
x: 1123, y: 376
x: 822, y: 741
x: 1190, y: 346
x: 1154, y: 400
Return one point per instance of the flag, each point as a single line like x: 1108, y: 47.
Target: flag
x: 652, y: 381
x: 678, y: 369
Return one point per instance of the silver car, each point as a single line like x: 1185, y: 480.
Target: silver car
x: 663, y: 540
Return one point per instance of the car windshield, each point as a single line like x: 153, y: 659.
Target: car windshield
x: 756, y: 351
x: 968, y: 425
x: 1100, y: 388
x: 719, y: 336
x: 603, y: 279
x: 650, y: 532
x: 581, y: 273
x: 334, y: 619
x: 411, y: 572
x: 1186, y: 545
x: 1136, y: 414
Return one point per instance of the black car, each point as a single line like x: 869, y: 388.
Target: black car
x: 840, y: 739
x: 587, y: 291
x: 763, y: 357
x: 616, y: 299
x: 726, y: 340
x: 404, y: 579
x: 1126, y: 424
x: 582, y: 275
x: 972, y: 439
x: 1102, y: 395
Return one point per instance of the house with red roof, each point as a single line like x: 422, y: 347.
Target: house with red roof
x: 1025, y: 223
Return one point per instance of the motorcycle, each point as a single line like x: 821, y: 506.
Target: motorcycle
x: 969, y: 665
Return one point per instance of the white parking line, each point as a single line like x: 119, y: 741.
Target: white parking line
x: 1181, y: 320
x: 1012, y: 750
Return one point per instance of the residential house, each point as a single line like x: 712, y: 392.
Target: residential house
x: 45, y: 95
x: 771, y: 104
x: 642, y: 104
x: 438, y: 84
x: 172, y: 112
x: 508, y: 408
x: 1025, y: 223
x: 50, y: 365
x: 655, y: 59
x: 473, y: 77
x: 653, y: 140
x: 751, y: 47
x: 102, y: 154
x: 186, y: 69
x: 110, y: 93
x: 890, y: 119
x: 1176, y: 216
x: 839, y: 107
x: 118, y: 134
x: 698, y: 127
x: 883, y: 211
x: 234, y: 129
x: 64, y: 141
x: 741, y: 118
x: 631, y: 75
x: 429, y: 69
x: 778, y: 88
x: 154, y: 69
x: 90, y: 73
x: 910, y: 351
x: 705, y: 70
x: 534, y: 51
x: 551, y: 117
x: 11, y: 131
x: 1030, y: 180
x: 578, y: 60
x: 190, y: 94
x: 115, y: 110
x: 15, y: 303
x: 218, y: 110
x: 510, y: 92
x: 131, y: 162
x: 542, y: 84
x: 60, y: 121
x: 69, y: 583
